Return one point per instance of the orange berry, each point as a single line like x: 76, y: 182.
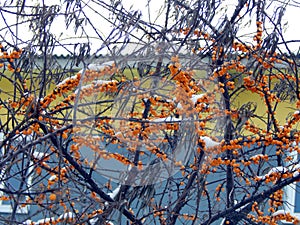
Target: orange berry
x: 52, y: 197
x: 64, y: 135
x: 38, y: 170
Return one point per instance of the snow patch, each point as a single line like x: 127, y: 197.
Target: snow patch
x: 68, y: 215
x: 279, y: 212
x: 46, y: 220
x: 52, y: 178
x: 19, y: 138
x: 27, y: 222
x: 109, y: 223
x: 97, y: 82
x: 242, y: 207
x: 115, y: 192
x: 194, y: 99
x: 93, y: 221
x: 167, y: 119
x: 100, y: 82
x: 39, y: 155
x: 296, y: 169
x: 209, y: 143
x: 98, y: 67
x: 278, y: 169
x: 67, y: 79
x: 296, y: 174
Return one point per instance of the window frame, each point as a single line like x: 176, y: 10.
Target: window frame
x: 290, y: 193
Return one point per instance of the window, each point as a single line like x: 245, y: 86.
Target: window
x: 292, y: 195
x: 15, y: 182
x: 293, y: 198
x: 297, y: 199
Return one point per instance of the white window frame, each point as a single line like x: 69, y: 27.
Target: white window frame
x: 290, y: 194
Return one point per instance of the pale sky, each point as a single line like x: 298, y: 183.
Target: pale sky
x: 292, y: 31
